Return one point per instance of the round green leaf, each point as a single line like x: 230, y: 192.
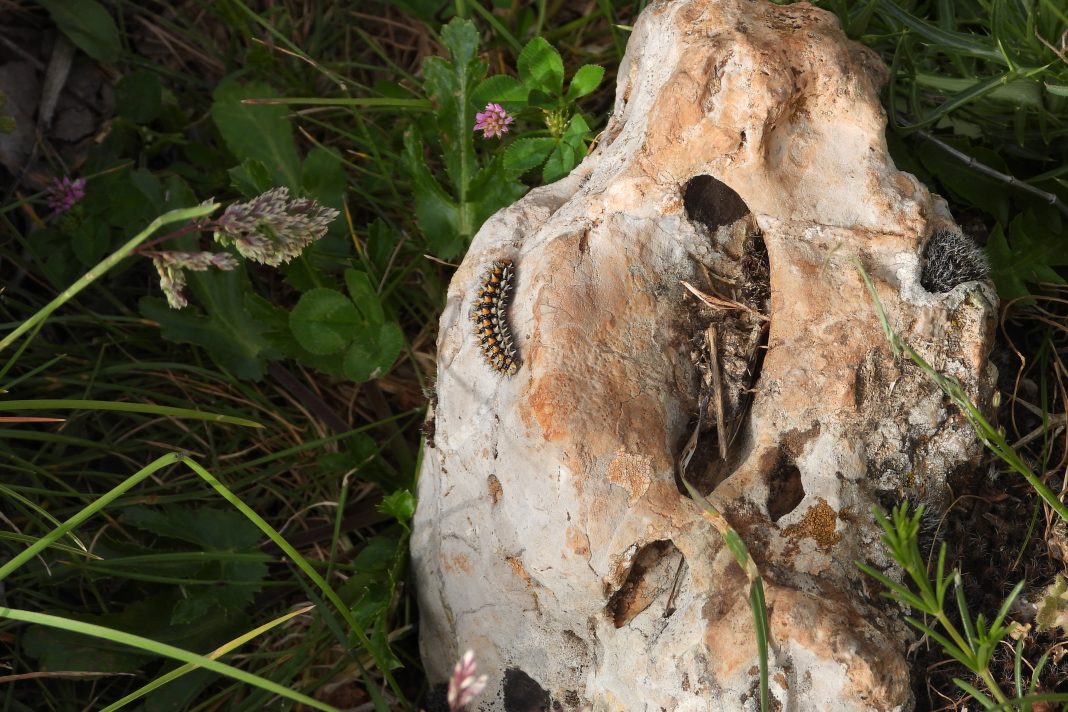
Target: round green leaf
x: 371, y: 357
x: 324, y: 321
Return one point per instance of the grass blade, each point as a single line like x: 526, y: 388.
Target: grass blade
x: 96, y: 272
x: 187, y: 413
x: 88, y: 511
x: 217, y: 653
x: 302, y: 564
x: 169, y: 651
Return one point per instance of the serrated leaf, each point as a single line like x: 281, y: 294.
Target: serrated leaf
x: 437, y: 214
x: 227, y: 331
x: 210, y: 528
x: 260, y: 132
x: 501, y: 89
x: 400, y: 505
x: 250, y: 178
x: 525, y: 154
x: 324, y: 321
x: 576, y: 131
x: 541, y: 67
x: 586, y: 80
x: 88, y: 26
x: 449, y: 86
x: 494, y: 188
x: 559, y: 164
x: 461, y: 39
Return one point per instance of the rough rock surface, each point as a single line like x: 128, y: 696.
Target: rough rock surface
x: 746, y: 157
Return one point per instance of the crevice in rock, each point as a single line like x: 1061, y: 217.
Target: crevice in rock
x: 656, y: 571
x: 523, y: 694
x: 785, y: 489
x: 728, y: 327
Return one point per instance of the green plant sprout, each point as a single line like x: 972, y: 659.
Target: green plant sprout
x: 975, y: 646
x: 972, y: 647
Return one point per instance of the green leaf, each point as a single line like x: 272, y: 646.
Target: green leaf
x: 370, y: 357
x: 91, y: 242
x: 461, y: 39
x: 324, y: 321
x: 501, y: 89
x: 560, y: 163
x: 139, y: 97
x: 260, y: 132
x: 540, y: 67
x: 399, y: 505
x: 586, y: 80
x: 1027, y: 255
x: 364, y: 296
x: 227, y: 331
x: 275, y: 323
x: 576, y: 131
x: 323, y: 178
x: 494, y: 188
x: 250, y: 178
x: 88, y: 26
x: 437, y: 214
x: 209, y: 528
x: 449, y: 86
x: 52, y: 253
x: 967, y: 43
x: 118, y: 638
x: 61, y: 650
x: 194, y: 607
x: 525, y: 154
x: 974, y: 188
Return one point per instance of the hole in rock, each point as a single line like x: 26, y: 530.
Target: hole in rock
x: 655, y: 573
x: 712, y: 203
x: 523, y: 694
x: 785, y: 490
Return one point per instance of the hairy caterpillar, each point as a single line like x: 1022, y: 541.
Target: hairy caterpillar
x: 490, y: 314
x: 949, y: 259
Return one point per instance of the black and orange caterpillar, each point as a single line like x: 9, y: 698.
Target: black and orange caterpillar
x: 490, y: 314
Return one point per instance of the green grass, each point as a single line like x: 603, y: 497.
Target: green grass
x: 208, y: 475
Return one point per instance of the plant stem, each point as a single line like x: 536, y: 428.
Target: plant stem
x: 108, y: 262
